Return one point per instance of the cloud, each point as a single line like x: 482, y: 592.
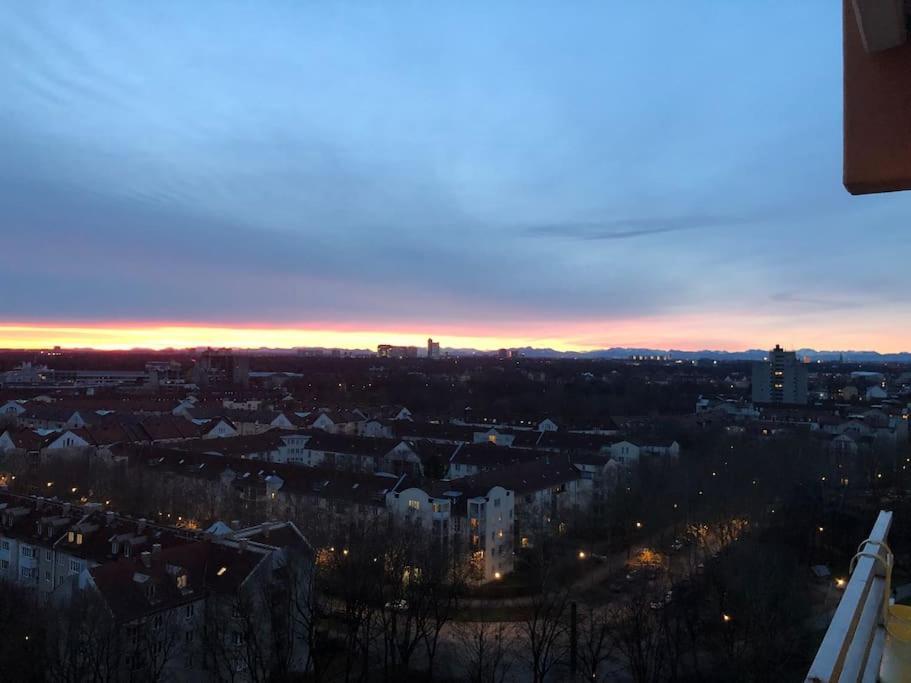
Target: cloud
x: 626, y: 228
x: 813, y: 302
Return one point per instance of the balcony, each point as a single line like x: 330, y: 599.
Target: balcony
x: 853, y: 647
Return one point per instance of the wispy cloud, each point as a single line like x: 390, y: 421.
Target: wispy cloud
x: 626, y: 228
x: 815, y: 303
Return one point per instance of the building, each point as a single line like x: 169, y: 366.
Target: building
x: 176, y: 604
x: 781, y: 379
x: 398, y: 352
x: 221, y: 367
x: 433, y: 349
x: 474, y: 515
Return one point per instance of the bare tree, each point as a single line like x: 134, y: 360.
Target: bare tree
x: 84, y: 642
x: 595, y: 642
x: 485, y: 649
x: 640, y: 639
x: 545, y: 630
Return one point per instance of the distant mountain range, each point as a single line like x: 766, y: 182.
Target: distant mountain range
x: 616, y: 352
x: 676, y: 354
x: 621, y: 352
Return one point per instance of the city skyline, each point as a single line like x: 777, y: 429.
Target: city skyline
x: 183, y: 337
x: 501, y: 178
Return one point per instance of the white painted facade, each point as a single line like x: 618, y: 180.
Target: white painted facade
x: 67, y: 439
x: 625, y: 452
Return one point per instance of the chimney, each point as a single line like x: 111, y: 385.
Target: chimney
x: 242, y: 545
x: 108, y: 518
x: 156, y: 548
x: 141, y: 526
x: 146, y: 558
x: 235, y: 524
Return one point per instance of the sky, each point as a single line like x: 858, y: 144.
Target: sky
x: 659, y: 174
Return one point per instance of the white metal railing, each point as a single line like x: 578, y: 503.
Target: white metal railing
x: 852, y: 649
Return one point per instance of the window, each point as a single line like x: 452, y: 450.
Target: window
x: 189, y: 611
x: 159, y: 620
x: 75, y: 566
x: 71, y: 537
x: 414, y: 504
x: 48, y: 555
x: 496, y: 502
x: 47, y: 576
x: 28, y: 552
x: 237, y: 638
x: 188, y: 637
x: 28, y: 572
x: 4, y: 545
x: 182, y: 581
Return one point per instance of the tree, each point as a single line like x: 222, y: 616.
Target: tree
x: 640, y: 639
x: 595, y: 642
x: 22, y: 647
x: 545, y: 630
x: 485, y: 650
x: 84, y: 642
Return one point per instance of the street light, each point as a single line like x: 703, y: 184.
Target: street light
x: 840, y: 583
x: 581, y: 554
x: 726, y: 618
x: 638, y: 525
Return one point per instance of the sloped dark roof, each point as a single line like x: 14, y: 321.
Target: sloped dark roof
x: 210, y: 567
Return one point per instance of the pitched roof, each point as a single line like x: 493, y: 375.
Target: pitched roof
x: 521, y: 478
x: 486, y: 455
x: 26, y: 439
x: 209, y: 567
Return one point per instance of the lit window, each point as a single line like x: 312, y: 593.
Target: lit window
x: 414, y: 504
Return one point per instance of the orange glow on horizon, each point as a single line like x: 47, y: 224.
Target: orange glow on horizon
x: 685, y: 333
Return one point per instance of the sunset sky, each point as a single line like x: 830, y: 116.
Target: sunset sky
x: 490, y: 174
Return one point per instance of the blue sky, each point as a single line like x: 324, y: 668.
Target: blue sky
x: 618, y: 173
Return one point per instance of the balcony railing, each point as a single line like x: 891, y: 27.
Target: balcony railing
x: 852, y: 649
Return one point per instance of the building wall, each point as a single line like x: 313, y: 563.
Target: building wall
x: 781, y: 379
